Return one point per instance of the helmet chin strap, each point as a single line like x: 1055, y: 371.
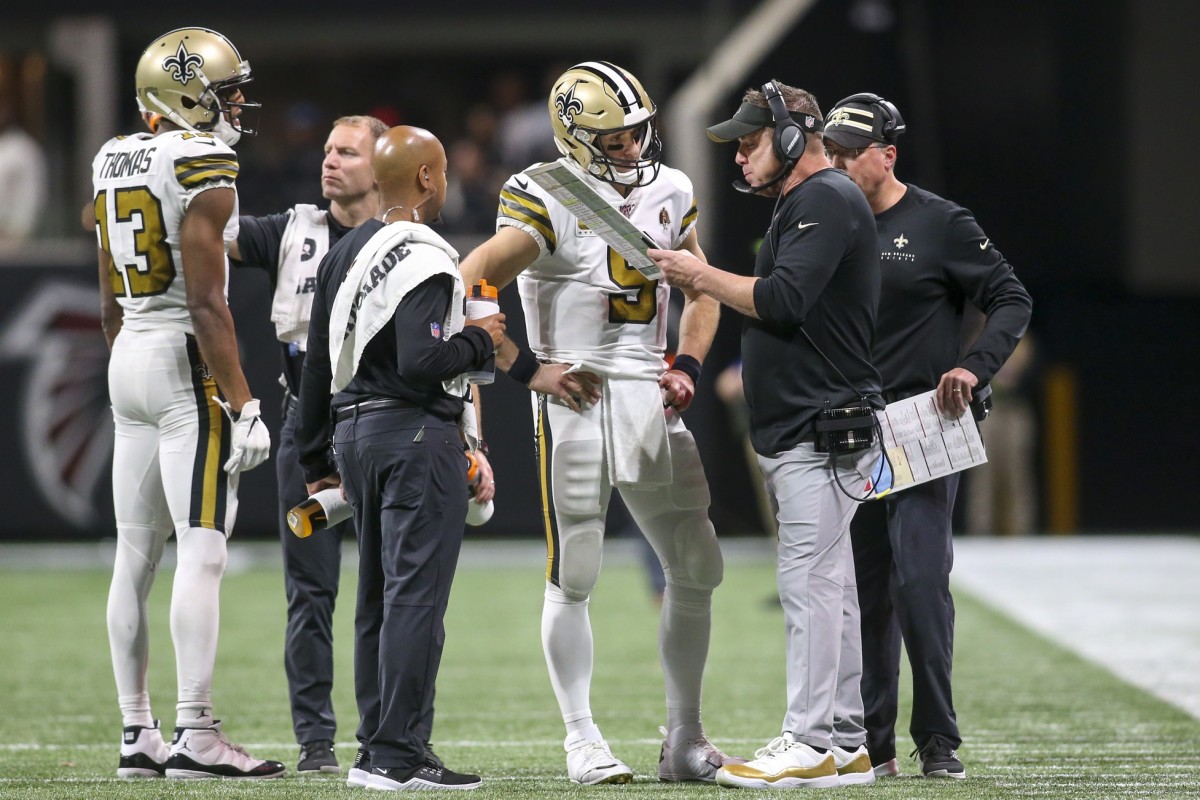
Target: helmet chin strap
x: 223, y: 130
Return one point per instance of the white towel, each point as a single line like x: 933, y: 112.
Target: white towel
x: 305, y: 242
x: 637, y: 448
x: 374, y: 287
x: 376, y: 284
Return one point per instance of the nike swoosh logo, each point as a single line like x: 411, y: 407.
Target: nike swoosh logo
x: 983, y: 245
x: 804, y: 225
x: 522, y: 184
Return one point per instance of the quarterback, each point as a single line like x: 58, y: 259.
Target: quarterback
x: 585, y: 307
x: 165, y: 205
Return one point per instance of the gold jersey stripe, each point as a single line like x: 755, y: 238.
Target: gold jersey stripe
x: 543, y: 457
x: 527, y: 209
x: 211, y: 485
x: 209, y: 481
x: 689, y: 217
x: 192, y: 172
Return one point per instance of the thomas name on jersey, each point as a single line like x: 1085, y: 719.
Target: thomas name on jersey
x: 123, y: 165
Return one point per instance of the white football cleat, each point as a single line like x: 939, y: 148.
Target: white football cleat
x: 144, y: 753
x: 206, y: 753
x: 589, y: 761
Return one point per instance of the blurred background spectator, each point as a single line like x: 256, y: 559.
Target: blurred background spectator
x: 1002, y: 495
x: 22, y: 169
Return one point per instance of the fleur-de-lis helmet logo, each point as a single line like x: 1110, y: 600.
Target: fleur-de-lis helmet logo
x: 183, y: 64
x: 568, y: 105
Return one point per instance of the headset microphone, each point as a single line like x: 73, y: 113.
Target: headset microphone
x: 746, y: 188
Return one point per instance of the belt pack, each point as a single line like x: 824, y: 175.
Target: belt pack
x: 845, y: 430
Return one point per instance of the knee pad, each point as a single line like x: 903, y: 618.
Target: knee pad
x: 577, y: 562
x: 693, y: 554
x: 577, y: 475
x: 675, y: 520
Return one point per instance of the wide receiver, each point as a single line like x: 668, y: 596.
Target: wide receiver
x: 586, y: 309
x: 165, y: 205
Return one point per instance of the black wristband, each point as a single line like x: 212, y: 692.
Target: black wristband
x: 524, y: 367
x: 688, y: 365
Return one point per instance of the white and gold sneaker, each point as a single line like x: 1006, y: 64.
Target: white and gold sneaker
x: 783, y: 764
x: 853, y: 764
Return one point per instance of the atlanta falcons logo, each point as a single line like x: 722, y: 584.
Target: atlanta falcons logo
x: 568, y: 105
x: 66, y: 423
x: 183, y: 64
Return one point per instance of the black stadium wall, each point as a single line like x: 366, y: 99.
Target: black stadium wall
x: 1045, y: 119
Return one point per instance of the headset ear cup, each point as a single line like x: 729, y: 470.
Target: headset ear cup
x: 789, y: 139
x: 789, y: 146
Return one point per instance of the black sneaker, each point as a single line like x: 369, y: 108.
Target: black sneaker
x: 318, y: 757
x: 144, y: 754
x: 432, y: 757
x: 426, y: 776
x: 360, y: 774
x: 937, y: 759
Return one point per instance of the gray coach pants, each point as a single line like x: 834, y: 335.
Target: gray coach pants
x: 818, y: 592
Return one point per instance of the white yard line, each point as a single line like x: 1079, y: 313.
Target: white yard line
x: 1128, y: 603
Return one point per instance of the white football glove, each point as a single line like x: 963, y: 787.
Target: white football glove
x: 249, y: 442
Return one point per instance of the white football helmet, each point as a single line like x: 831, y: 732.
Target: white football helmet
x: 597, y: 97
x: 188, y: 75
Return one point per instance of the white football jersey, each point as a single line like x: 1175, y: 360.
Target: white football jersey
x: 142, y: 187
x: 582, y: 302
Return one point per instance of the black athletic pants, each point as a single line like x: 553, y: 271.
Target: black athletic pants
x: 405, y: 475
x: 903, y: 553
x: 310, y: 577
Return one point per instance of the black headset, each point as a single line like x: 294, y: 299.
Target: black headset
x: 893, y: 123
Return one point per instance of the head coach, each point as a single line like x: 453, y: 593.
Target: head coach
x: 811, y: 387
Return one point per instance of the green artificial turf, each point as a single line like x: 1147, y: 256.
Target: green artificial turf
x: 1037, y: 721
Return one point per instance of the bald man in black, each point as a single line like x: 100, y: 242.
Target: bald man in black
x: 387, y: 331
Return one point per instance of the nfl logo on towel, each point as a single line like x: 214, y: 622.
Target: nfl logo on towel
x: 435, y: 330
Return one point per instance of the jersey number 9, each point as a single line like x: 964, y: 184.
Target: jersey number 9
x: 638, y: 304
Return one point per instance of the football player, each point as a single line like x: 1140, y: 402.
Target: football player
x: 186, y: 424
x: 587, y: 308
